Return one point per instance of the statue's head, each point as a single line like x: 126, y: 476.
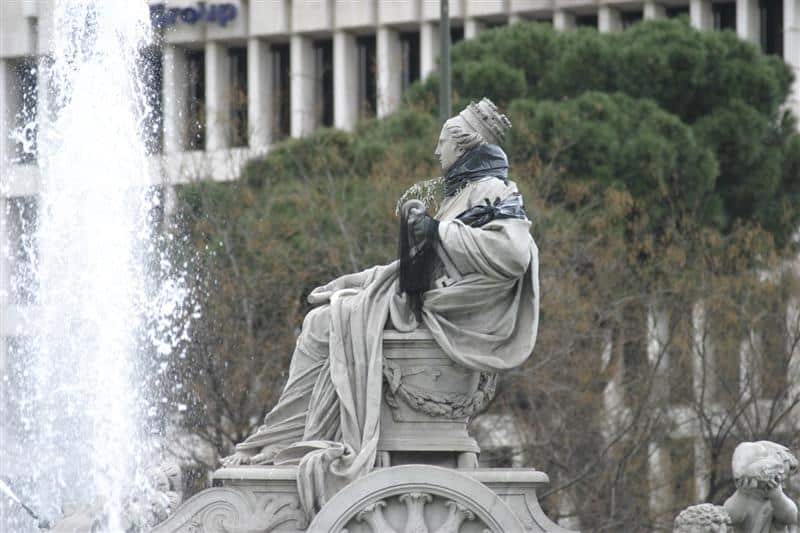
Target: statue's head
x: 703, y: 518
x: 760, y: 466
x: 479, y: 123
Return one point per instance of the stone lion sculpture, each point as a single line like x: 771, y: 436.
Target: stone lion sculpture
x: 759, y: 504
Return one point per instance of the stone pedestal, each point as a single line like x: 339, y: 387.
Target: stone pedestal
x: 419, y: 498
x: 426, y: 478
x: 425, y: 393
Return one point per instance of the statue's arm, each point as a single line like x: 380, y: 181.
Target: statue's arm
x: 356, y: 280
x: 501, y: 249
x: 784, y: 509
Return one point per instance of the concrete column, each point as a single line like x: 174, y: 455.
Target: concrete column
x: 472, y: 27
x: 700, y: 14
x: 5, y: 273
x: 702, y: 467
x: 7, y: 96
x: 657, y: 466
x: 302, y: 81
x: 652, y: 10
x: 609, y: 19
x: 44, y: 112
x: 174, y: 98
x: 793, y: 326
x: 748, y: 377
x: 791, y: 48
x: 514, y: 18
x: 428, y: 48
x: 563, y: 20
x: 748, y: 21
x: 259, y: 93
x: 217, y: 96
x: 390, y: 70
x: 345, y: 81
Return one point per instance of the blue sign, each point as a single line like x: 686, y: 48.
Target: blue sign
x: 163, y: 17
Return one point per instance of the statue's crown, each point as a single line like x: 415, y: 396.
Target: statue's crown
x: 483, y: 118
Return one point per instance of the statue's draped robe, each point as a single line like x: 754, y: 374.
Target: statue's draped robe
x: 328, y: 414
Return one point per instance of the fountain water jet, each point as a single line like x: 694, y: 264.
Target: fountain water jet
x: 85, y: 435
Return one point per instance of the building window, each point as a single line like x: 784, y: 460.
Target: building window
x: 456, y: 34
x: 680, y: 350
x: 772, y: 26
x: 722, y: 357
x: 409, y: 49
x: 589, y: 21
x: 724, y: 16
x: 152, y: 76
x: 367, y: 86
x: 497, y: 23
x: 25, y: 133
x: 677, y: 11
x: 237, y: 59
x: 629, y: 18
x: 680, y: 472
x: 323, y: 86
x: 21, y: 215
x: 281, y: 92
x: 196, y: 100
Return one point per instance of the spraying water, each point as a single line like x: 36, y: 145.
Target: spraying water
x: 85, y: 428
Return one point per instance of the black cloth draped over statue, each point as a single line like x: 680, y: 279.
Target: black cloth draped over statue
x: 418, y: 257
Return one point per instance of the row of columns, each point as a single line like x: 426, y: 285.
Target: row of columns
x: 389, y: 70
x: 302, y: 85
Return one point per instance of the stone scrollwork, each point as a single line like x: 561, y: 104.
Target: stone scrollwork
x: 458, y: 514
x: 229, y: 510
x: 428, y: 500
x: 415, y: 516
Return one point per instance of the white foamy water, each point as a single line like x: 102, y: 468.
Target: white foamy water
x: 84, y: 396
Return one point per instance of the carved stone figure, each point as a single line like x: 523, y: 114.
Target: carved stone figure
x: 143, y: 507
x: 469, y: 278
x: 759, y: 504
x: 703, y: 518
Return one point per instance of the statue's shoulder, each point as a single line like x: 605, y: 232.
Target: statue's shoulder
x: 490, y: 188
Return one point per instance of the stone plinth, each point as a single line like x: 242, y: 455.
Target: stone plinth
x: 427, y: 401
x: 420, y: 498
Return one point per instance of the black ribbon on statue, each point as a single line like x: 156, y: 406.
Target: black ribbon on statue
x: 419, y: 234
x: 486, y: 160
x: 478, y: 215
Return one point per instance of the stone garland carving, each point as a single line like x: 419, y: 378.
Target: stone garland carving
x: 440, y: 404
x: 759, y: 504
x: 415, y: 522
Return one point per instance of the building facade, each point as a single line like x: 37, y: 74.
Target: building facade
x: 228, y: 79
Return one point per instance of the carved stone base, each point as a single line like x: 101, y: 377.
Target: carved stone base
x: 418, y: 498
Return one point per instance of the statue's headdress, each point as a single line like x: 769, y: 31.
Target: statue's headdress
x: 484, y: 119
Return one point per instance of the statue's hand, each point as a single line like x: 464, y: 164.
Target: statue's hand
x: 237, y: 459
x: 421, y: 223
x: 266, y: 455
x: 323, y: 294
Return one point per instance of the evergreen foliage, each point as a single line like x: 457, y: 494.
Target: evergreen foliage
x: 725, y: 89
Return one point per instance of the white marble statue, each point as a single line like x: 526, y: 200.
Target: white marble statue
x: 759, y: 504
x: 481, y: 307
x: 703, y: 518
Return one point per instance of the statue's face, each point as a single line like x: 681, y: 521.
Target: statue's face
x: 446, y: 150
